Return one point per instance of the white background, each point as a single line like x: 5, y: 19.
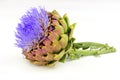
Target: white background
x: 97, y: 21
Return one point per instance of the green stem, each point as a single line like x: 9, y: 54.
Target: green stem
x: 89, y: 48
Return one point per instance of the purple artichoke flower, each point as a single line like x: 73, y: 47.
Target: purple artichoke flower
x: 46, y: 38
x: 32, y: 28
x: 43, y: 36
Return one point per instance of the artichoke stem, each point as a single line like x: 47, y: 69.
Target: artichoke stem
x: 88, y: 49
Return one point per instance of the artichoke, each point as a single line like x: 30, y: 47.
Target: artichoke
x: 46, y: 38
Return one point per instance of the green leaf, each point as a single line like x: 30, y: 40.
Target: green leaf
x: 65, y: 17
x: 63, y: 59
x: 71, y: 30
x: 70, y: 44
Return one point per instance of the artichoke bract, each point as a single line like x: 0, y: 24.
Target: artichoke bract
x: 46, y: 38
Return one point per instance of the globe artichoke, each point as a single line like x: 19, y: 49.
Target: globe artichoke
x: 46, y: 38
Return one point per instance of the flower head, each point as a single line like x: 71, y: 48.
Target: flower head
x: 32, y: 27
x: 46, y: 38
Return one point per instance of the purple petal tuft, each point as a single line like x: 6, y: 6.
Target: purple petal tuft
x: 32, y: 27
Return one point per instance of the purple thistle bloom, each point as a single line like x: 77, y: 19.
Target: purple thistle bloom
x: 32, y: 27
